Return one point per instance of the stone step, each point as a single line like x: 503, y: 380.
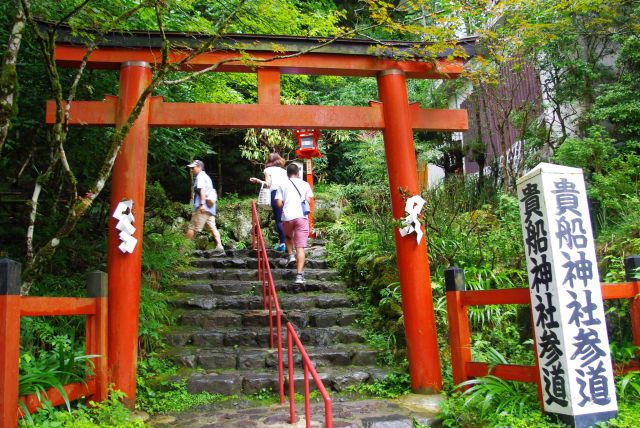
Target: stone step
x: 251, y: 263
x: 252, y: 274
x: 287, y: 301
x: 233, y: 287
x: 312, y: 251
x: 247, y: 358
x: 260, y: 336
x: 251, y: 382
x: 260, y: 318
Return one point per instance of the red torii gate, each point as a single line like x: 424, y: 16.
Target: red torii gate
x: 135, y: 54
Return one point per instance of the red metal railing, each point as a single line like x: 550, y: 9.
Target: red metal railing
x: 270, y: 300
x: 269, y: 295
x: 460, y: 338
x: 307, y: 367
x: 13, y: 307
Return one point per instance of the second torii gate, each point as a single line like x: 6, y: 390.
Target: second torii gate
x: 136, y: 53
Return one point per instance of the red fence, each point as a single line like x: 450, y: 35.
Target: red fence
x: 13, y: 307
x: 269, y: 295
x: 270, y: 301
x: 459, y: 299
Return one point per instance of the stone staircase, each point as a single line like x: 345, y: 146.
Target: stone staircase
x: 223, y: 332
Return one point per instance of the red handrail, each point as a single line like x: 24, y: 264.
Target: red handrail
x: 269, y: 295
x: 307, y: 366
x: 270, y: 299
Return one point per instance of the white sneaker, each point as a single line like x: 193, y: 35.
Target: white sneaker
x: 300, y: 278
x: 292, y: 259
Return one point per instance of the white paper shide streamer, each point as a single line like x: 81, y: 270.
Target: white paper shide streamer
x: 412, y: 223
x: 124, y: 214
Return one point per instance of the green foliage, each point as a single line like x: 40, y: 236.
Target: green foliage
x: 54, y: 368
x: 392, y: 386
x: 628, y: 415
x: 110, y: 413
x: 160, y: 390
x: 456, y: 412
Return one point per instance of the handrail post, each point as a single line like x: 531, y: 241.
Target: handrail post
x: 10, y: 280
x: 631, y: 266
x: 307, y: 404
x: 459, y: 334
x: 97, y: 288
x: 292, y: 399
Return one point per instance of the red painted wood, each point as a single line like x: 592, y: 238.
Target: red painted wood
x: 510, y: 296
x: 621, y: 290
x: 57, y: 306
x: 99, y: 346
x: 413, y: 267
x: 503, y: 371
x: 439, y: 120
x: 9, y: 359
x: 311, y: 63
x: 269, y: 86
x: 74, y: 391
x: 128, y: 182
x: 206, y: 115
x: 86, y: 113
x: 459, y: 336
x: 634, y: 314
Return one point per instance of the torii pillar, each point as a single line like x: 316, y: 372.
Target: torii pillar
x: 413, y: 264
x: 128, y: 182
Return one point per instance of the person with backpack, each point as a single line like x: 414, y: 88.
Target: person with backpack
x: 204, y: 205
x: 274, y: 176
x: 293, y: 197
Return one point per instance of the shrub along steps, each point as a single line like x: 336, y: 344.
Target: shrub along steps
x: 223, y: 331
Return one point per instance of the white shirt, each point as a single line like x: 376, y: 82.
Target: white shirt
x: 203, y: 181
x: 278, y: 176
x: 292, y: 208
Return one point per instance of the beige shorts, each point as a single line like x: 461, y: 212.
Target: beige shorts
x: 199, y: 220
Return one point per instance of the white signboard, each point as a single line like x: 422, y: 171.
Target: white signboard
x: 566, y: 299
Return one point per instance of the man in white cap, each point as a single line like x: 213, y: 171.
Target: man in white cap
x: 204, y: 205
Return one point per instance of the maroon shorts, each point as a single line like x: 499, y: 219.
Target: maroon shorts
x: 298, y: 231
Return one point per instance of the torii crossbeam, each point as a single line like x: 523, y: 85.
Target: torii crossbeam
x: 135, y: 54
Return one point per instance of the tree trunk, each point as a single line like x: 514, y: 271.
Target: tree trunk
x: 8, y: 74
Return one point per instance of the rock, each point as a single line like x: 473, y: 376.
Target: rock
x: 421, y: 403
x: 162, y: 420
x: 177, y: 339
x: 197, y: 288
x: 217, y: 360
x: 254, y: 383
x: 340, y: 382
x: 240, y: 338
x: 251, y: 359
x: 227, y: 383
x: 365, y: 357
x: 140, y: 415
x: 391, y: 421
x: 323, y: 318
x: 332, y: 301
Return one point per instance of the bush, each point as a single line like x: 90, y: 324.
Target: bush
x: 107, y: 414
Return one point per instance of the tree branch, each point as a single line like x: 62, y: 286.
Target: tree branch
x: 8, y: 74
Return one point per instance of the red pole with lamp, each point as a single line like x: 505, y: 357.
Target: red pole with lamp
x: 308, y: 149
